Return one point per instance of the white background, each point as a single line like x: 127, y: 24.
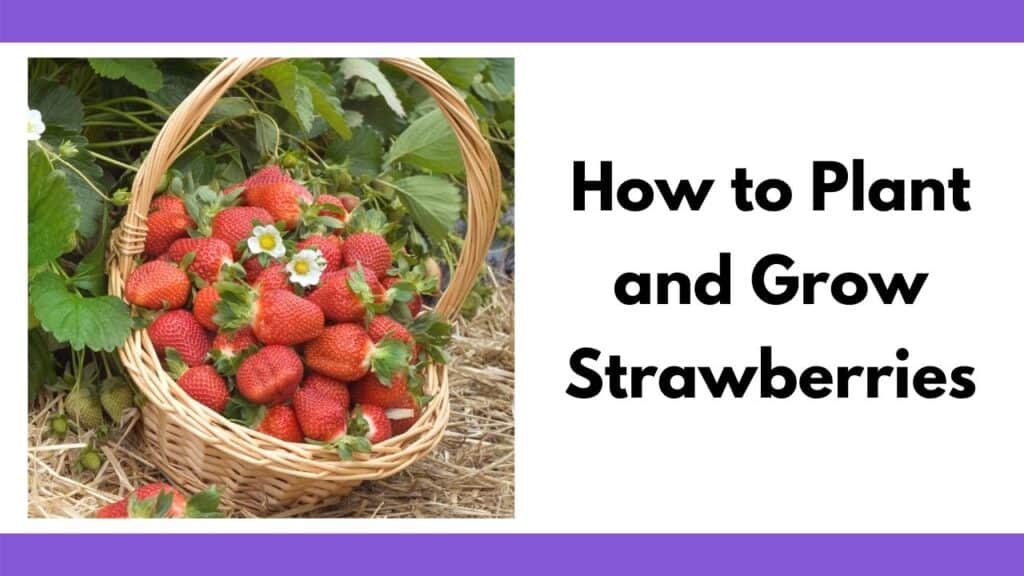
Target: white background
x: 726, y: 465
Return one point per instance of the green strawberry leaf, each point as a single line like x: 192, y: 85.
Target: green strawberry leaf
x: 304, y: 88
x: 90, y: 273
x: 433, y: 202
x: 41, y: 370
x: 268, y: 135
x: 461, y: 72
x: 204, y: 504
x: 241, y: 411
x: 98, y: 322
x: 360, y: 68
x: 52, y: 212
x: 429, y: 144
x: 389, y: 357
x: 58, y: 105
x: 362, y: 154
x: 141, y: 72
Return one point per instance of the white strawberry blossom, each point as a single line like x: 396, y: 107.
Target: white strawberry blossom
x: 266, y: 240
x: 306, y: 267
x: 36, y: 127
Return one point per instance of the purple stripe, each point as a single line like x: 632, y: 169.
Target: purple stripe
x: 515, y: 21
x: 454, y: 555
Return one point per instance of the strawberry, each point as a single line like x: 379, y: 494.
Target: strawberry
x: 116, y: 397
x: 345, y: 295
x: 253, y: 268
x: 163, y: 228
x: 167, y: 203
x: 210, y: 255
x: 84, y: 407
x: 346, y: 352
x: 415, y: 303
x: 230, y: 348
x: 269, y: 376
x: 369, y: 249
x: 280, y: 199
x: 333, y: 207
x: 382, y: 327
x: 163, y: 501
x: 206, y: 386
x: 273, y: 277
x: 272, y: 175
x: 321, y: 417
x: 281, y: 423
x: 370, y: 422
x: 276, y: 316
x: 349, y: 201
x: 369, y: 390
x: 329, y: 246
x: 234, y: 225
x: 204, y: 306
x: 404, y: 416
x: 157, y: 285
x: 179, y: 329
x: 329, y: 386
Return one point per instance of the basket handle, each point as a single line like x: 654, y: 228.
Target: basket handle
x: 483, y: 178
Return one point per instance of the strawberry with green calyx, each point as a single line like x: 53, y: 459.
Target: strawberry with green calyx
x: 210, y: 255
x: 234, y: 225
x: 163, y: 501
x: 180, y: 330
x: 281, y: 423
x: 202, y: 383
x: 283, y: 200
x: 370, y: 390
x: 204, y: 204
x: 347, y: 353
x: 117, y: 398
x: 276, y: 316
x: 167, y: 203
x: 415, y: 279
x: 230, y: 348
x: 157, y: 285
x: 365, y: 243
x: 382, y: 327
x: 270, y: 375
x: 82, y: 405
x: 347, y: 295
x: 163, y: 227
x: 204, y: 306
x: 370, y: 422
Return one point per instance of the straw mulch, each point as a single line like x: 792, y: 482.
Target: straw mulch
x: 468, y: 475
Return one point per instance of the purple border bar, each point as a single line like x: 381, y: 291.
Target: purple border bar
x: 518, y: 554
x: 513, y: 21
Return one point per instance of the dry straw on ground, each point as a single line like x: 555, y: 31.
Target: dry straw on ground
x: 469, y: 474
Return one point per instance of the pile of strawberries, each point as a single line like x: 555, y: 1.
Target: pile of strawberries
x: 287, y: 312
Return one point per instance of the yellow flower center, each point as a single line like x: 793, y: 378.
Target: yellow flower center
x: 267, y: 241
x: 302, y: 267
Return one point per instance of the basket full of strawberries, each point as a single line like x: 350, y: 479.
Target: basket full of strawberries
x: 283, y: 348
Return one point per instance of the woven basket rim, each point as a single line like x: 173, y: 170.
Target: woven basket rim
x: 248, y: 446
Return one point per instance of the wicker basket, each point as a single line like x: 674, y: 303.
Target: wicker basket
x: 195, y: 446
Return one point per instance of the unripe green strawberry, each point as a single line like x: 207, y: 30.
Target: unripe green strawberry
x: 90, y: 459
x: 117, y: 397
x: 83, y: 406
x: 59, y: 426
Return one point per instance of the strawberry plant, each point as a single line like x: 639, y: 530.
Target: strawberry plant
x: 238, y: 273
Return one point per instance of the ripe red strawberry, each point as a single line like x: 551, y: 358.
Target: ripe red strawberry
x: 269, y: 376
x: 179, y: 329
x: 369, y: 249
x: 273, y: 277
x: 369, y: 390
x: 371, y: 422
x: 349, y: 201
x: 206, y: 386
x: 204, y: 306
x: 157, y: 285
x: 345, y: 295
x: 276, y: 316
x: 210, y: 255
x: 404, y: 416
x: 146, y: 500
x: 230, y: 348
x: 281, y: 423
x: 327, y: 200
x: 330, y: 248
x: 321, y: 417
x: 163, y: 228
x: 167, y: 203
x: 119, y: 509
x: 382, y: 327
x: 346, y: 352
x: 280, y: 199
x: 273, y: 175
x: 252, y: 270
x: 415, y: 304
x: 234, y: 225
x: 329, y: 386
